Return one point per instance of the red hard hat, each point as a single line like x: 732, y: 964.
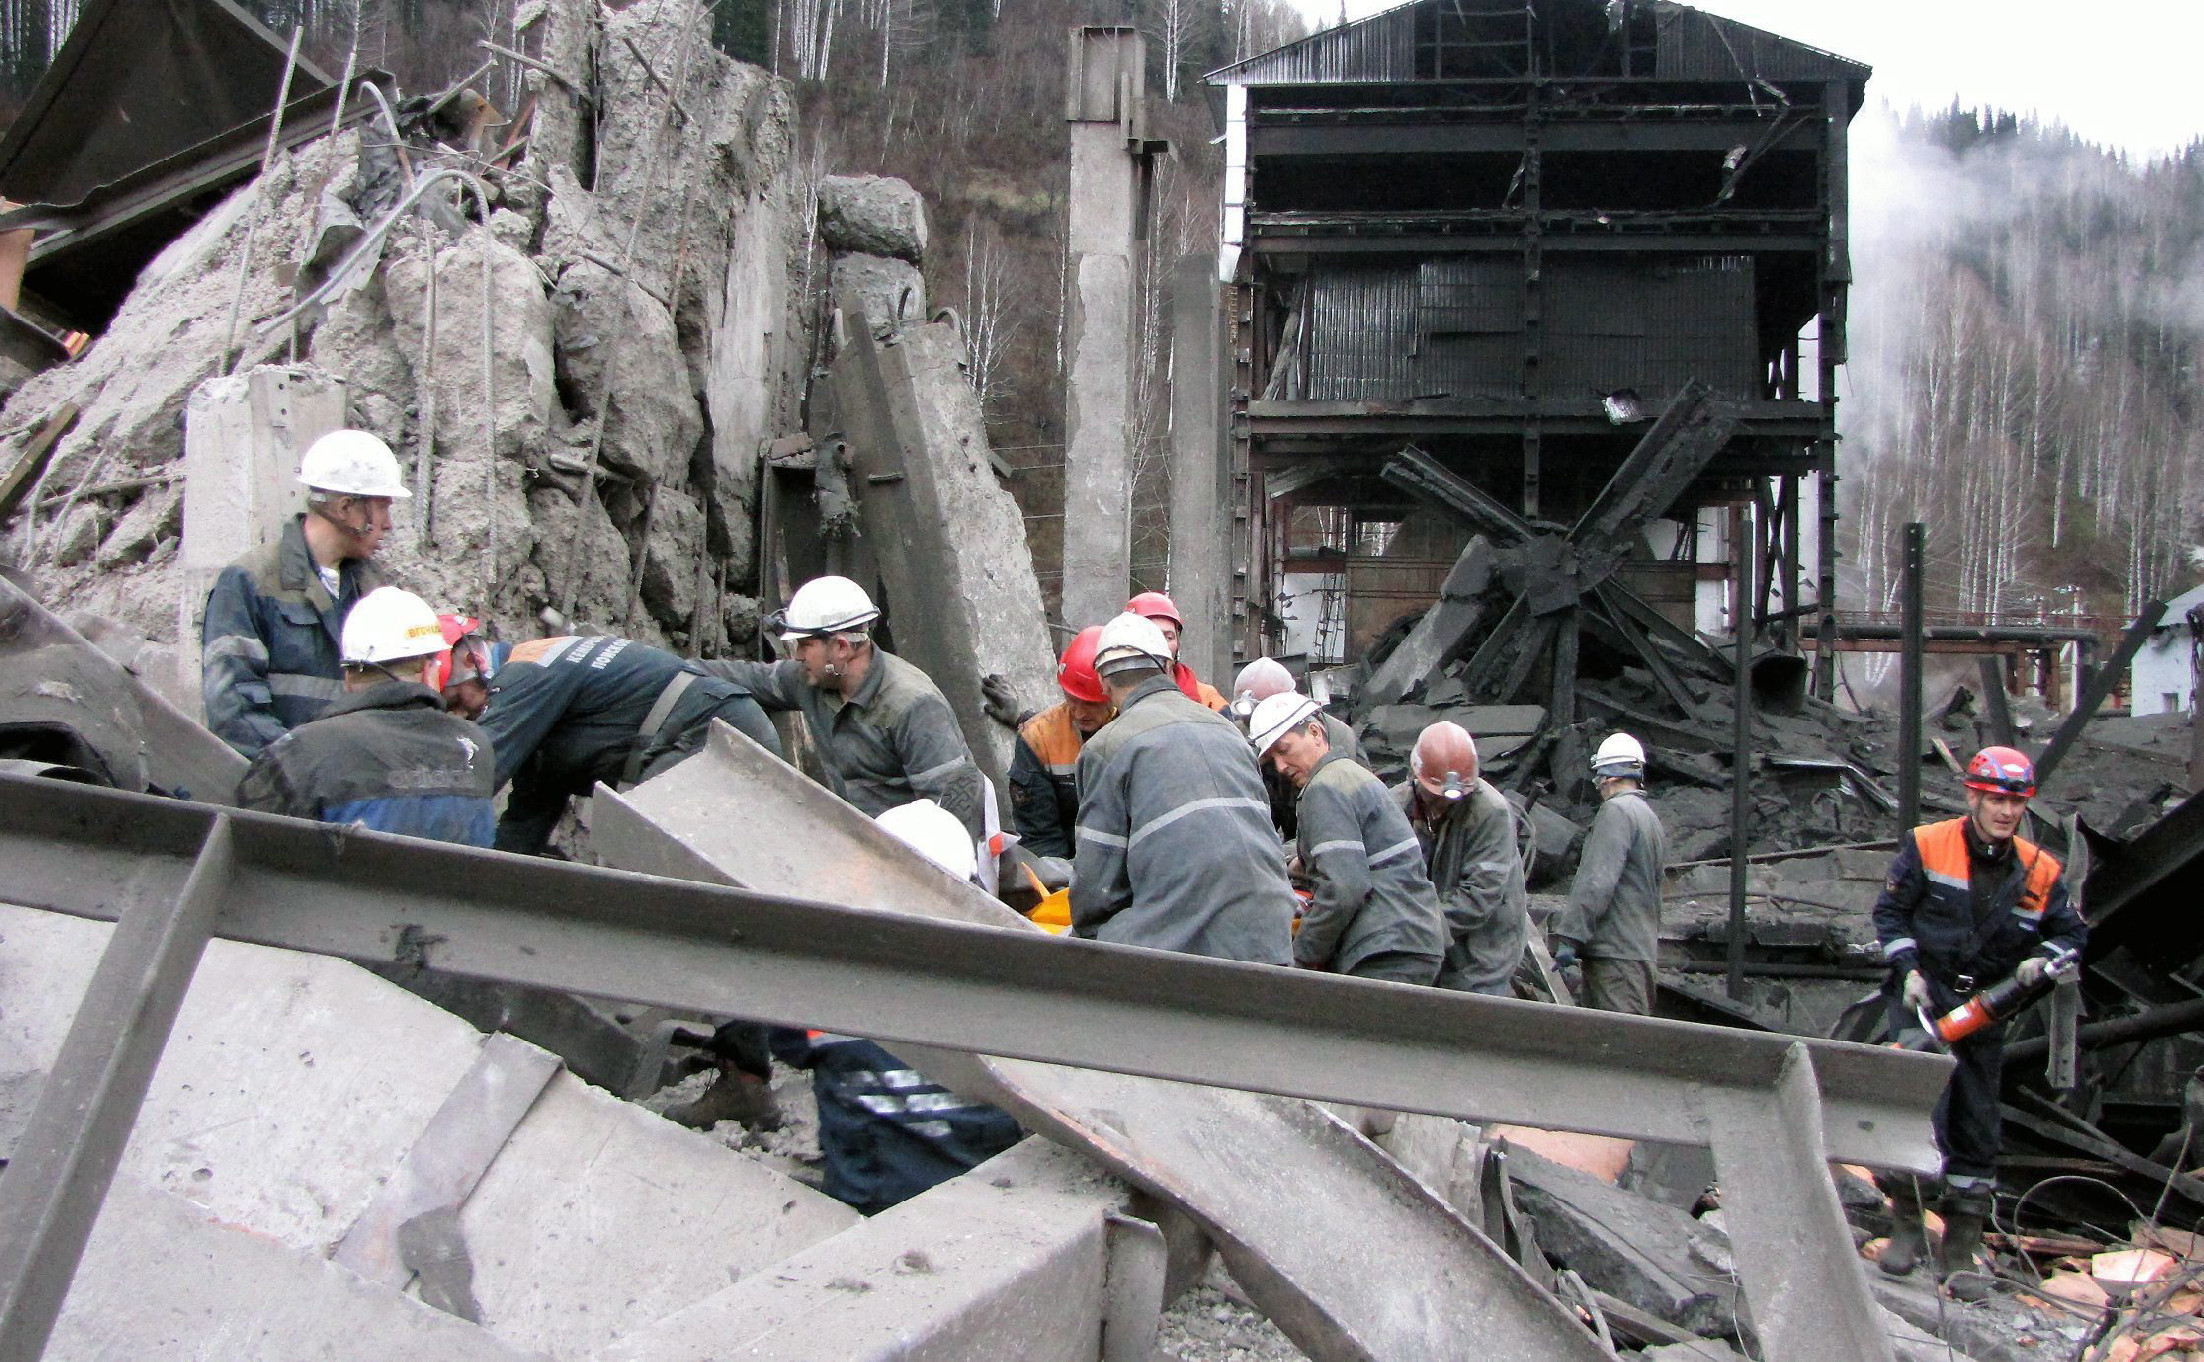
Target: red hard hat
x: 1075, y: 670
x: 1156, y: 606
x: 436, y: 673
x: 2002, y: 770
x: 1442, y: 750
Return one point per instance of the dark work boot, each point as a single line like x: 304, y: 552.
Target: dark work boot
x: 733, y: 1096
x: 1964, y: 1215
x: 1908, y: 1235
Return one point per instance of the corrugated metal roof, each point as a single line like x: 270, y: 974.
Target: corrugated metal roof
x: 1379, y: 48
x: 1693, y: 45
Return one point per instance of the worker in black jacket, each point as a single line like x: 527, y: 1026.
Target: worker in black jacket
x: 1968, y: 903
x: 386, y: 756
x: 567, y: 713
x: 269, y: 641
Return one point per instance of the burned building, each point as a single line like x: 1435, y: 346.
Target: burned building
x: 1508, y: 236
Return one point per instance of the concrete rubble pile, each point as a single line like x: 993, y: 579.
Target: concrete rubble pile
x: 641, y: 267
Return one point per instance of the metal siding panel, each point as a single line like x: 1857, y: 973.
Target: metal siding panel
x: 1362, y: 333
x: 1698, y: 46
x: 1619, y: 324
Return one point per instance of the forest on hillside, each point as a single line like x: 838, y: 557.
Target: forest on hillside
x: 2027, y: 324
x: 2025, y: 328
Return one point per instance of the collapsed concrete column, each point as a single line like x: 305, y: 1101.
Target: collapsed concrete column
x: 1200, y: 477
x: 1103, y: 97
x: 243, y: 435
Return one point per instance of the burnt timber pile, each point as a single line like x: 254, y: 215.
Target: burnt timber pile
x: 1513, y: 294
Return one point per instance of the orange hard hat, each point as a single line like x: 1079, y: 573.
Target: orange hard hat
x: 1156, y: 606
x: 1075, y: 672
x: 1445, y: 760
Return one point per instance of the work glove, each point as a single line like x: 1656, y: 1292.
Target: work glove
x: 1916, y: 991
x: 2031, y: 971
x: 1564, y: 956
x: 1001, y: 700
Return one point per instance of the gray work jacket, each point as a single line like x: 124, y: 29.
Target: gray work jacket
x: 1175, y: 848
x: 1614, y: 908
x: 893, y: 742
x: 1476, y: 867
x: 1367, y: 873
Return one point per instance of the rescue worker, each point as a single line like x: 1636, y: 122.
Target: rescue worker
x: 1156, y: 606
x: 1044, y: 791
x: 1612, y: 921
x: 1471, y: 851
x: 886, y: 1131
x: 1257, y: 682
x: 385, y: 756
x: 1968, y: 902
x: 269, y: 646
x: 1175, y: 847
x: 885, y: 734
x: 1373, y: 914
x: 566, y: 713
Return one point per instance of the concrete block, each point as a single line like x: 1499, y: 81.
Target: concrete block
x: 1008, y: 1260
x: 891, y: 293
x: 872, y: 215
x: 163, y: 1278
x: 292, y: 1083
x: 243, y: 435
x: 599, y: 1218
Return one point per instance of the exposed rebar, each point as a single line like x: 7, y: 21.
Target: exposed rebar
x: 260, y: 199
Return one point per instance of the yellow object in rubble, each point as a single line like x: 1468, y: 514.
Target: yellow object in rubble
x: 1054, y: 912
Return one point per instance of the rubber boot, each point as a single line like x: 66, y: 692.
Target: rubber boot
x: 1964, y: 1215
x: 733, y: 1096
x: 1908, y: 1233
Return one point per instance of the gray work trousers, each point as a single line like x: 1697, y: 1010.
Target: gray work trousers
x: 1619, y: 986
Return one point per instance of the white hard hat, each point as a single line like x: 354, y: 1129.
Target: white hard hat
x: 1620, y: 755
x: 933, y: 832
x: 353, y: 463
x: 1130, y: 640
x: 825, y: 605
x: 390, y: 625
x: 1277, y: 716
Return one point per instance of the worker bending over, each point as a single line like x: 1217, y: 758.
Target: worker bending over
x: 270, y: 642
x: 566, y: 714
x: 1969, y: 902
x: 385, y: 756
x: 1471, y: 850
x: 886, y: 1131
x: 1044, y: 764
x: 885, y: 734
x: 1374, y: 914
x: 1175, y: 847
x: 1157, y: 607
x: 1612, y: 922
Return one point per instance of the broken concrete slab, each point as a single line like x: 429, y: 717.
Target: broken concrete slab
x: 1653, y: 1256
x: 872, y: 215
x: 962, y: 597
x: 164, y: 1277
x: 1010, y: 1260
x: 522, y: 374
x: 1443, y: 631
x: 599, y: 1218
x: 294, y: 1086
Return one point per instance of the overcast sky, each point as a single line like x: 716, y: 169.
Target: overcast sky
x: 2119, y: 72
